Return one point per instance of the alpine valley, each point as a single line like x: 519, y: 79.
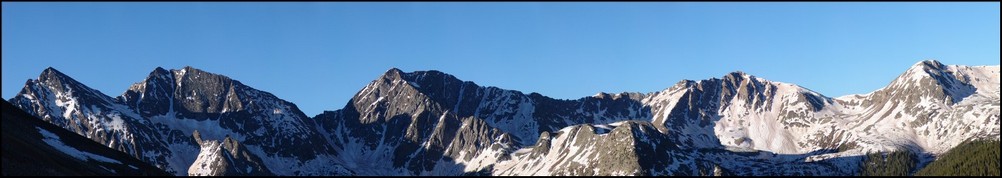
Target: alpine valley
x: 193, y: 122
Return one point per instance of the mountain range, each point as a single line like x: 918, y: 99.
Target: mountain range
x: 192, y: 122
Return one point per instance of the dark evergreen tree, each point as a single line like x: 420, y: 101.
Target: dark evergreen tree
x: 974, y: 158
x: 897, y: 163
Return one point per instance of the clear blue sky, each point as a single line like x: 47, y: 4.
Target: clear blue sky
x: 318, y: 55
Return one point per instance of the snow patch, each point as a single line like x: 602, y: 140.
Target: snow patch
x: 53, y: 140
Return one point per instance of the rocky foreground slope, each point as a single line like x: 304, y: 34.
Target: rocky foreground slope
x: 34, y: 147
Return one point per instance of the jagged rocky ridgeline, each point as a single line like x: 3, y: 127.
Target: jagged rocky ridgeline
x: 191, y: 122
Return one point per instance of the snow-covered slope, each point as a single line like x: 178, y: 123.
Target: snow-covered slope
x: 931, y: 107
x: 621, y: 148
x: 741, y: 110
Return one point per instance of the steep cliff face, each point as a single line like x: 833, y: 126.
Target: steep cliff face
x: 225, y: 158
x: 183, y: 101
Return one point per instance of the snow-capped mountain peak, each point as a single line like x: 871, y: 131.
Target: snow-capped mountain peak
x: 189, y: 121
x: 932, y: 78
x: 151, y: 119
